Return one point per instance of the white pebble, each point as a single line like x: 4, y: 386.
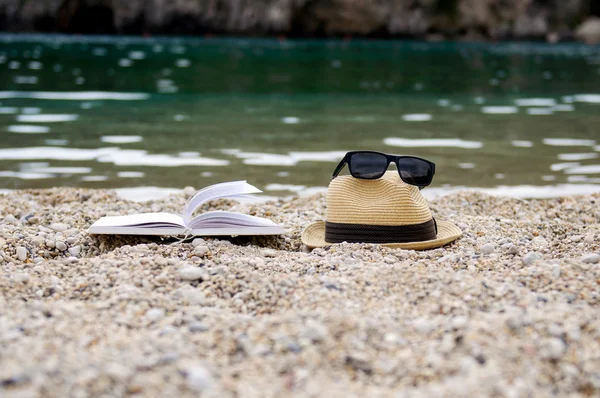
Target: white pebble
x: 10, y: 219
x: 531, y: 257
x: 198, y: 242
x: 189, y: 191
x: 2, y: 243
x: 488, y: 248
x: 459, y: 322
x: 62, y: 246
x: 556, y: 271
x: 591, y: 258
x: 199, y: 378
x: 22, y: 253
x: 75, y: 250
x: 59, y: 226
x: 315, y: 331
x: 155, y: 314
x: 268, y: 253
x: 193, y: 274
x: 423, y: 325
x: 552, y: 348
x: 50, y: 244
x: 21, y: 277
x: 201, y: 250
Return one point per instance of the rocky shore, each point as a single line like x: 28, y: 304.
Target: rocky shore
x: 557, y: 20
x: 510, y: 309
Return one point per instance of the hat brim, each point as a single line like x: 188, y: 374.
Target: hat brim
x: 314, y: 236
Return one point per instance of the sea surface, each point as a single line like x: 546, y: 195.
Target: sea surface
x: 152, y: 115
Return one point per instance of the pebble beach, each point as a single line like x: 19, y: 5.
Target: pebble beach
x: 511, y: 309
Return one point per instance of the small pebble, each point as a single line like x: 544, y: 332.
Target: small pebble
x: 198, y: 378
x: 198, y: 242
x: 552, y: 348
x: 193, y: 274
x: 155, y: 314
x: 22, y: 253
x: 424, y: 326
x: 576, y: 238
x: 197, y: 327
x: 201, y: 250
x: 21, y: 277
x: 10, y: 219
x: 591, y: 258
x: 61, y: 246
x: 268, y: 253
x: 531, y: 257
x: 488, y: 248
x: 59, y: 227
x: 75, y: 250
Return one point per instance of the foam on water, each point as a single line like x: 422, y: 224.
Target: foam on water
x: 417, y: 117
x: 290, y: 120
x: 268, y: 159
x: 53, y: 153
x: 433, y: 142
x: 27, y: 129
x: 564, y: 166
x: 331, y: 156
x: 522, y: 143
x: 31, y: 110
x: 62, y: 170
x: 121, y: 139
x: 143, y: 158
x: 130, y: 174
x: 284, y: 187
x: 499, y: 110
x: 94, y: 178
x: 46, y: 118
x: 589, y: 169
x: 545, y: 102
x: 568, y: 142
x: 74, y: 95
x: 589, y: 98
x: 6, y: 110
x: 23, y: 175
x: 577, y: 156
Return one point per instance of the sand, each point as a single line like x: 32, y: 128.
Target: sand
x: 510, y: 309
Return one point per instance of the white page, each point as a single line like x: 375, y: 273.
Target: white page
x: 144, y: 220
x: 226, y: 218
x: 223, y: 190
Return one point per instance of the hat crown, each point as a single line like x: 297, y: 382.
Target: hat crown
x: 387, y: 201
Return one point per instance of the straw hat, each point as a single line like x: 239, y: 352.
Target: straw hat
x: 386, y: 211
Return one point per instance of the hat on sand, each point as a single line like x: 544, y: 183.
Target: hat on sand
x: 385, y: 211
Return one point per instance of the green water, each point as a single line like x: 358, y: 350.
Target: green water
x: 281, y: 114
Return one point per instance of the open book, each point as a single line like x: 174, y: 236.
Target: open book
x: 205, y: 224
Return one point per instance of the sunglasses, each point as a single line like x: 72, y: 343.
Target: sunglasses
x: 370, y: 165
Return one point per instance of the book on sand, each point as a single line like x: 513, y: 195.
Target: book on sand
x: 205, y: 224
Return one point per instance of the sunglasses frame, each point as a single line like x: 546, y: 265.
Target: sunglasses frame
x: 347, y: 159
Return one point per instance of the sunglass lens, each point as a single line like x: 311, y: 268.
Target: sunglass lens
x: 415, y: 171
x: 368, y: 165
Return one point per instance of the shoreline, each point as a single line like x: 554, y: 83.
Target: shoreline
x: 510, y: 308
x: 151, y: 193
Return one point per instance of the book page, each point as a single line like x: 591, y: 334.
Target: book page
x: 223, y: 190
x: 221, y: 219
x: 143, y: 220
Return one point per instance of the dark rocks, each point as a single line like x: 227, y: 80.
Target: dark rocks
x: 436, y: 20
